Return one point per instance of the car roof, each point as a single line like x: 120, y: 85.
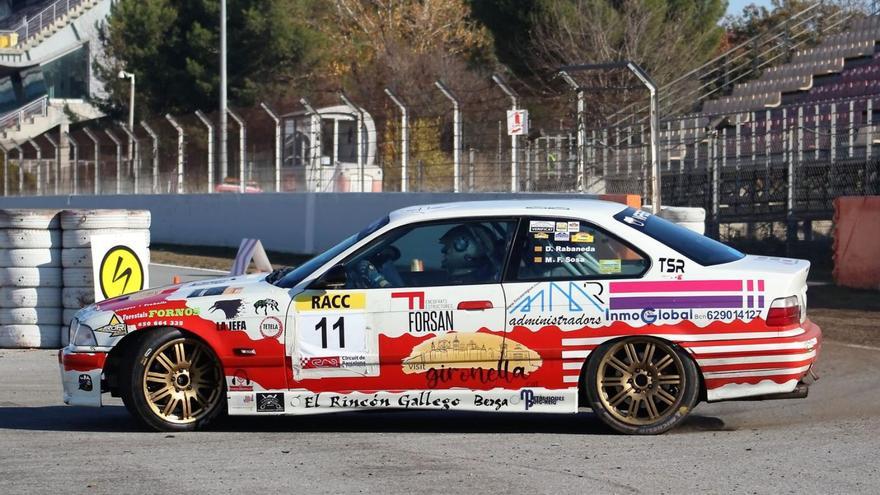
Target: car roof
x: 582, y: 208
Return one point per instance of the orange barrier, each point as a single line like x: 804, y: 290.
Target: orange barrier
x: 857, y: 241
x: 633, y: 200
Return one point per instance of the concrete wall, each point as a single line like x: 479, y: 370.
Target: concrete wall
x: 285, y: 222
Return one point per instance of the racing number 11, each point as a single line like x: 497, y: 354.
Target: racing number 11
x: 339, y: 325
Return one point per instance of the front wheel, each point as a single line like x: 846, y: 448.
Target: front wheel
x: 641, y: 385
x: 173, y: 382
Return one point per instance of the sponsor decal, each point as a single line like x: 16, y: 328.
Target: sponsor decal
x: 232, y: 325
x: 530, y: 399
x: 495, y: 403
x: 215, y: 291
x: 330, y: 300
x: 430, y: 321
x: 556, y: 320
x: 406, y: 401
x: 240, y: 382
x: 575, y: 297
x: 541, y: 236
x: 265, y: 305
x: 571, y: 249
x: 609, y: 266
x: 164, y: 313
x: 416, y: 299
x: 686, y: 294
x: 270, y: 402
x: 542, y: 226
x: 271, y: 327
x: 230, y: 307
x: 671, y: 265
x: 85, y: 382
x: 320, y: 362
x: 561, y: 236
x: 581, y: 237
x: 115, y: 328
x: 574, y: 226
x: 638, y: 218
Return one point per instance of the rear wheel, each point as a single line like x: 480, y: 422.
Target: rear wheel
x: 641, y: 385
x: 173, y: 383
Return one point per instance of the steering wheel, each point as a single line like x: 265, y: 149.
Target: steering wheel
x: 365, y: 275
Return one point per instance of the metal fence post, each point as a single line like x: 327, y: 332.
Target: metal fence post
x: 833, y: 143
x: 5, y: 170
x: 869, y: 128
x: 581, y: 130
x: 514, y: 169
x: 314, y: 142
x: 39, y: 166
x: 716, y: 185
x: 75, y: 146
x: 180, y: 149
x: 155, y: 138
x: 404, y: 142
x: 817, y: 128
x: 242, y: 148
x: 210, y: 127
x: 852, y: 128
x: 359, y: 122
x: 136, y: 157
x: 118, y: 144
x: 800, y: 134
x: 57, y: 156
x: 20, y: 169
x: 277, y: 121
x: 97, y: 156
x: 456, y: 135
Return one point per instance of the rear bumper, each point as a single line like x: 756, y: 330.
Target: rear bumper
x: 81, y: 376
x: 759, y: 367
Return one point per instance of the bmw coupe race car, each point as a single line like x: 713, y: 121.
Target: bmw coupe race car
x: 507, y: 306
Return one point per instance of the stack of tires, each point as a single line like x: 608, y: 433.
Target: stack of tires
x: 30, y: 279
x: 78, y: 226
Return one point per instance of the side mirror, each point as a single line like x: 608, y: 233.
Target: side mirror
x: 334, y: 278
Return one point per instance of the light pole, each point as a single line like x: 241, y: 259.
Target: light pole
x: 223, y: 116
x: 128, y: 75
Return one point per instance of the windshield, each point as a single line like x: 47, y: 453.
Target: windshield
x: 697, y: 247
x: 299, y: 273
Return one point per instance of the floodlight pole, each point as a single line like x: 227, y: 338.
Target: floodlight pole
x: 242, y: 148
x: 210, y: 127
x: 655, y: 117
x: 581, y: 129
x: 456, y: 134
x: 277, y: 121
x: 57, y: 155
x: 155, y: 138
x: 224, y: 160
x: 404, y: 135
x: 359, y: 139
x: 514, y: 169
x: 180, y: 145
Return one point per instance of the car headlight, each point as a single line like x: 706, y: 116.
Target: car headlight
x: 81, y: 335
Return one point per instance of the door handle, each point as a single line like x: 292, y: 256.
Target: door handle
x: 475, y: 305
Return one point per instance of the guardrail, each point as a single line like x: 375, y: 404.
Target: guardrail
x: 32, y: 26
x: 15, y: 118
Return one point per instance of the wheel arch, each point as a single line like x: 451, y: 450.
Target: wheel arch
x: 582, y: 379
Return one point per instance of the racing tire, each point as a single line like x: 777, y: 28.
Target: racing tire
x: 30, y: 336
x: 77, y: 297
x: 139, y: 219
x: 78, y: 277
x: 82, y: 238
x: 29, y: 239
x: 172, y: 381
x: 30, y: 316
x: 28, y: 258
x: 30, y: 277
x: 28, y: 219
x: 30, y: 297
x: 94, y: 219
x: 76, y: 258
x: 641, y: 385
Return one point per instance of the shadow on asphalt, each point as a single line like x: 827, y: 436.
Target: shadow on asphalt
x: 113, y: 419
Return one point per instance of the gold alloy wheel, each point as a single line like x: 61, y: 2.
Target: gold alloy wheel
x: 182, y: 381
x: 640, y: 382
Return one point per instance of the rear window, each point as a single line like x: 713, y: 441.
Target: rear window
x: 697, y: 247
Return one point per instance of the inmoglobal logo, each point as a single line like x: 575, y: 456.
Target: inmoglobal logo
x: 649, y: 315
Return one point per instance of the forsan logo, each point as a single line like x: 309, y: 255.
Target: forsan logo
x: 649, y: 315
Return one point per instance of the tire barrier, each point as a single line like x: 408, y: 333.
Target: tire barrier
x: 689, y: 218
x: 46, y: 269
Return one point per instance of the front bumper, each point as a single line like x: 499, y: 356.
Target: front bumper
x: 81, y: 376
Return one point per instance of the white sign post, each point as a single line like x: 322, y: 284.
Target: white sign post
x: 120, y: 264
x: 517, y: 122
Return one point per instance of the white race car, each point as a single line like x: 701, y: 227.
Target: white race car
x: 505, y: 306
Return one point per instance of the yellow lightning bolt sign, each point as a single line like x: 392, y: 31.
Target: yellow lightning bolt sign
x: 121, y: 272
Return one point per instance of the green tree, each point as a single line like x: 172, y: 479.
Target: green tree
x: 172, y: 47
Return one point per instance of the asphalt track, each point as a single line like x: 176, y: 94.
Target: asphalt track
x: 827, y: 443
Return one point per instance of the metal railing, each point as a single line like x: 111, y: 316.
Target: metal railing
x: 16, y: 118
x: 32, y: 26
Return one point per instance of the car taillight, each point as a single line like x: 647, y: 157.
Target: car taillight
x: 784, y: 311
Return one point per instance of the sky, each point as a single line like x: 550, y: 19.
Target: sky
x: 735, y: 7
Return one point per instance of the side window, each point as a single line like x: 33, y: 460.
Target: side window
x: 559, y: 248
x: 448, y: 253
